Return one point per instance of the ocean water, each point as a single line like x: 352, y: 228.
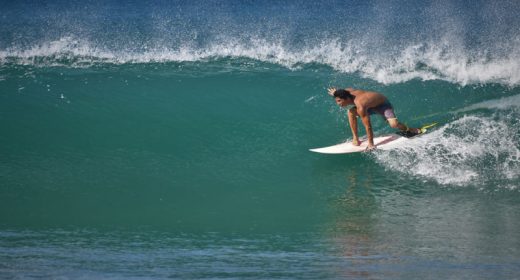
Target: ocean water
x: 170, y: 139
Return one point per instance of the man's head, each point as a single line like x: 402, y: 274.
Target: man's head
x: 343, y: 97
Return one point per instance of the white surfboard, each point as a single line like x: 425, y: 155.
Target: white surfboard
x: 385, y: 142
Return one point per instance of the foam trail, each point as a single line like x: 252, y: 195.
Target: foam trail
x: 501, y: 104
x: 470, y: 151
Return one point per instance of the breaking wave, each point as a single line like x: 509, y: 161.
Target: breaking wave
x: 421, y: 61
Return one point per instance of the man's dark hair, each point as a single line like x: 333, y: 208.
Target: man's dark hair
x: 343, y: 94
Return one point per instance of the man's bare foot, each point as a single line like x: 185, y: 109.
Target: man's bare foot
x: 370, y: 148
x: 356, y: 142
x: 410, y: 132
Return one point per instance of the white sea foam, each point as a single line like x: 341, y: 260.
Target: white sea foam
x: 471, y: 151
x: 419, y: 61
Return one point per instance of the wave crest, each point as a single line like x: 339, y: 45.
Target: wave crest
x: 420, y: 61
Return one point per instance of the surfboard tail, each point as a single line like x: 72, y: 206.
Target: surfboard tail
x: 423, y: 129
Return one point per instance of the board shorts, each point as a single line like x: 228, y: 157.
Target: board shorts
x: 386, y: 110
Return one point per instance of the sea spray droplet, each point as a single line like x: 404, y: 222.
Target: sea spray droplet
x: 310, y: 99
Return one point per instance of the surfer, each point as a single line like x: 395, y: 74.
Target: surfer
x: 365, y: 104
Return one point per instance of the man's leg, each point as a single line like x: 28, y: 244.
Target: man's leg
x: 352, y: 120
x: 388, y: 113
x: 394, y: 123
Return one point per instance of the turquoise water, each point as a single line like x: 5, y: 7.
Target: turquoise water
x: 171, y: 141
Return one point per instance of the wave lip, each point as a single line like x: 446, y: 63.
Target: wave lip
x: 419, y: 61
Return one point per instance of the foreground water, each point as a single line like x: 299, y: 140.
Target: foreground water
x: 171, y: 141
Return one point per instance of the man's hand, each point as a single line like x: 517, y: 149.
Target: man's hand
x: 331, y: 91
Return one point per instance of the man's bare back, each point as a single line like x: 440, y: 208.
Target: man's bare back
x: 366, y: 99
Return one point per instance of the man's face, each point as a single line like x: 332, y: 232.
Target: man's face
x: 341, y: 102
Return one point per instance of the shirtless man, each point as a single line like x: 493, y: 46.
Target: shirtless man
x: 365, y: 104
